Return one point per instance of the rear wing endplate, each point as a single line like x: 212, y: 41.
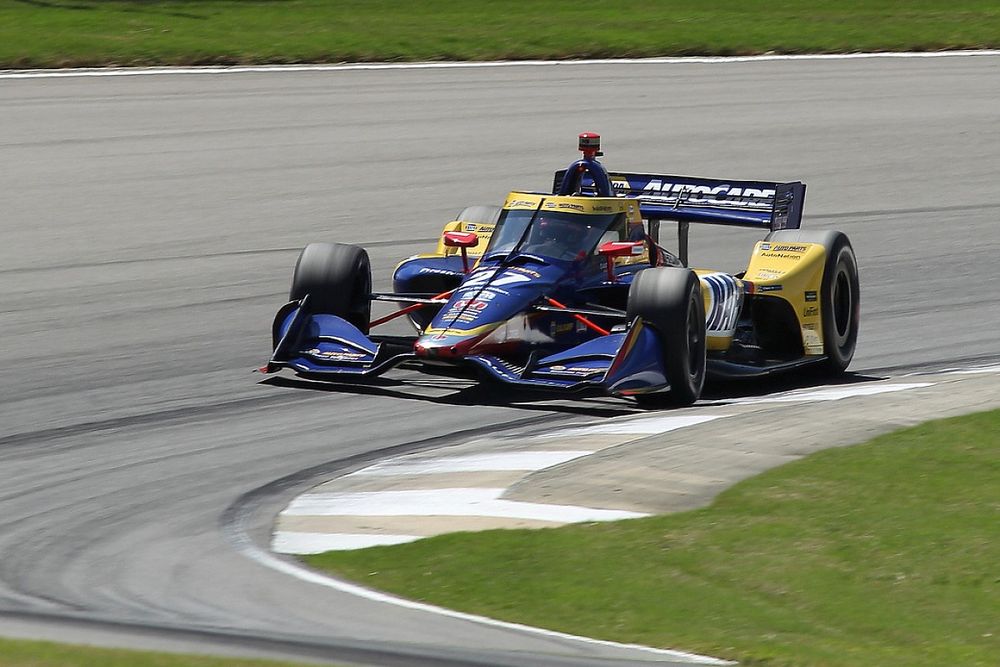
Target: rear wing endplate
x: 758, y: 204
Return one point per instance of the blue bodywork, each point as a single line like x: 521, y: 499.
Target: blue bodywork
x: 498, y: 322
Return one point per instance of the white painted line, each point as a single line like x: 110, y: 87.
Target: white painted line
x: 302, y: 574
x: 977, y: 370
x: 832, y: 393
x: 351, y: 67
x: 444, y: 502
x: 499, y: 462
x: 633, y: 426
x: 290, y: 542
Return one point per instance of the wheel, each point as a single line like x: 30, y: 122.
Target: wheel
x: 484, y: 215
x: 338, y: 280
x: 669, y: 299
x: 840, y: 295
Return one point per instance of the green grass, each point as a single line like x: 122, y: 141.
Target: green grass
x: 886, y: 553
x: 20, y: 653
x: 47, y: 33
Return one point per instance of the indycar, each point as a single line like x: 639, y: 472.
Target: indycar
x: 572, y: 290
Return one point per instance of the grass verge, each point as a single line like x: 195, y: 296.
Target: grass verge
x: 58, y: 33
x: 885, y: 553
x: 21, y: 653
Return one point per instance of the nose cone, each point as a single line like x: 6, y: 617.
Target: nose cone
x: 489, y: 297
x: 446, y: 346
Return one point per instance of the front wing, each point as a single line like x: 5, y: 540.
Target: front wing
x: 319, y: 345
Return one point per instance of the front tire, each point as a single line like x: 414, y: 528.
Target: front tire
x: 669, y: 300
x: 338, y: 280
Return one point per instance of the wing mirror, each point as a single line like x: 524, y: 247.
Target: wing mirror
x: 614, y: 249
x: 463, y: 240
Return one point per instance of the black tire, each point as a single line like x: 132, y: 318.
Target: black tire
x: 840, y: 295
x: 669, y: 299
x: 338, y: 280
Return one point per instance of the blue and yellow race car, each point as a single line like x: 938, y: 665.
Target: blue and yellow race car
x: 572, y: 290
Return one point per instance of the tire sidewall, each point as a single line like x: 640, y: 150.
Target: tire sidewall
x: 670, y: 301
x: 839, y: 336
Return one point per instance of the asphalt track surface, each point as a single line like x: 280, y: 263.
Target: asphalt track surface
x: 150, y: 225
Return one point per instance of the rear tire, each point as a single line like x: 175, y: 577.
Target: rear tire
x: 482, y: 215
x: 338, y: 280
x: 840, y: 295
x: 669, y: 300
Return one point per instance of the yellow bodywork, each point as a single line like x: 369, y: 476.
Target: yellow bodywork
x: 793, y: 272
x: 530, y: 201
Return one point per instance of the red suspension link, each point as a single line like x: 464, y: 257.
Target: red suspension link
x: 579, y: 318
x: 408, y: 309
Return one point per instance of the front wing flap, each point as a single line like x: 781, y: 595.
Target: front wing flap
x: 620, y: 363
x: 323, y: 344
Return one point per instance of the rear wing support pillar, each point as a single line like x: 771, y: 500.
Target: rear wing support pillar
x: 682, y: 241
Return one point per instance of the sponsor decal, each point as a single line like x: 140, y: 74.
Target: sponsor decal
x: 520, y: 203
x: 467, y: 310
x: 493, y: 292
x: 781, y: 255
x: 768, y: 274
x: 574, y: 370
x: 527, y: 272
x: 470, y: 226
x: 811, y: 339
x: 811, y: 295
x: 572, y: 207
x: 471, y: 304
x: 339, y: 355
x: 810, y: 311
x: 619, y: 183
x: 784, y: 247
x: 657, y: 190
x: 770, y: 288
x: 444, y: 272
x: 603, y: 209
x: 765, y: 246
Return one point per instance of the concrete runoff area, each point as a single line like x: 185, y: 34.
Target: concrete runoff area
x: 150, y: 228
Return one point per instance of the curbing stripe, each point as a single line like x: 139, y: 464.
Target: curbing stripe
x: 834, y: 393
x: 498, y: 462
x: 444, y: 502
x: 291, y: 542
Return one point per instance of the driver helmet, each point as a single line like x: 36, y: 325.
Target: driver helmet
x: 555, y: 230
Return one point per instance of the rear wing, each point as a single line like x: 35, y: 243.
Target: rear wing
x: 758, y: 204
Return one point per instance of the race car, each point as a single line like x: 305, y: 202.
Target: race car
x: 572, y: 290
